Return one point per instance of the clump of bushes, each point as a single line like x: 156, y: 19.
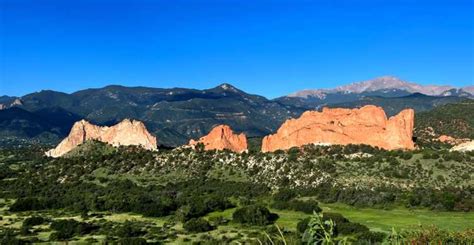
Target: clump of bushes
x: 284, y: 195
x: 308, y: 207
x: 30, y: 203
x: 197, y: 225
x: 254, y: 215
x: 65, y: 229
x: 34, y: 220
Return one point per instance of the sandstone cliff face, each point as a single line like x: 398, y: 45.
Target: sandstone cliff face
x: 222, y: 137
x: 367, y: 125
x: 127, y: 132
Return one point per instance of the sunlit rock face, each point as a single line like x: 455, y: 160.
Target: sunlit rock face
x: 127, y: 132
x: 367, y: 125
x: 451, y: 140
x: 222, y: 137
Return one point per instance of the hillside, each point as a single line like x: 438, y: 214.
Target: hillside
x: 456, y: 119
x: 418, y: 102
x: 99, y: 193
x: 47, y: 125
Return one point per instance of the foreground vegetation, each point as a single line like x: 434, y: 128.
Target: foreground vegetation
x: 353, y: 194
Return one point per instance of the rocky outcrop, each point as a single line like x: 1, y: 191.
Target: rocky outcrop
x: 2, y: 107
x: 127, y: 132
x: 222, y: 137
x: 16, y: 102
x: 467, y: 146
x: 451, y: 140
x: 446, y: 139
x: 367, y: 125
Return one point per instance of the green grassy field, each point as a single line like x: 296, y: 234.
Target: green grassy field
x: 378, y: 219
x: 402, y: 218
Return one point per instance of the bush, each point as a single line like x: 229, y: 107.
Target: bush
x: 8, y: 236
x: 129, y: 229
x: 34, y: 220
x: 337, y: 218
x: 371, y: 237
x: 284, y: 195
x: 132, y: 241
x: 350, y: 228
x: 29, y: 203
x: 305, y: 206
x: 197, y: 225
x: 254, y: 215
x: 66, y: 229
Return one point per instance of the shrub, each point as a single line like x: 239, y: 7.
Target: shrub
x: 254, y: 215
x: 66, y: 229
x: 27, y: 204
x: 370, y: 237
x: 305, y: 206
x: 337, y: 218
x: 8, y: 236
x: 284, y: 195
x: 350, y: 228
x: 129, y: 229
x: 197, y: 225
x: 34, y: 220
x: 132, y: 241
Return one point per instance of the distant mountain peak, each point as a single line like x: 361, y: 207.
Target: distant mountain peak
x: 228, y: 86
x: 379, y: 83
x: 383, y: 83
x: 225, y: 88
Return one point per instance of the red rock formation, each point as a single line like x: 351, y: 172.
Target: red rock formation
x: 222, y: 137
x: 446, y: 139
x: 367, y: 125
x: 451, y: 140
x: 127, y: 132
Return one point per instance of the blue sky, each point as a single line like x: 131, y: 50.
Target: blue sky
x: 270, y: 48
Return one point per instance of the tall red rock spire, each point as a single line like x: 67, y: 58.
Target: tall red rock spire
x: 222, y: 137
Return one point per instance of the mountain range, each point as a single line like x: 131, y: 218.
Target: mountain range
x: 176, y: 115
x: 386, y: 87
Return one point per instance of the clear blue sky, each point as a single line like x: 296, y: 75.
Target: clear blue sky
x: 270, y: 48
